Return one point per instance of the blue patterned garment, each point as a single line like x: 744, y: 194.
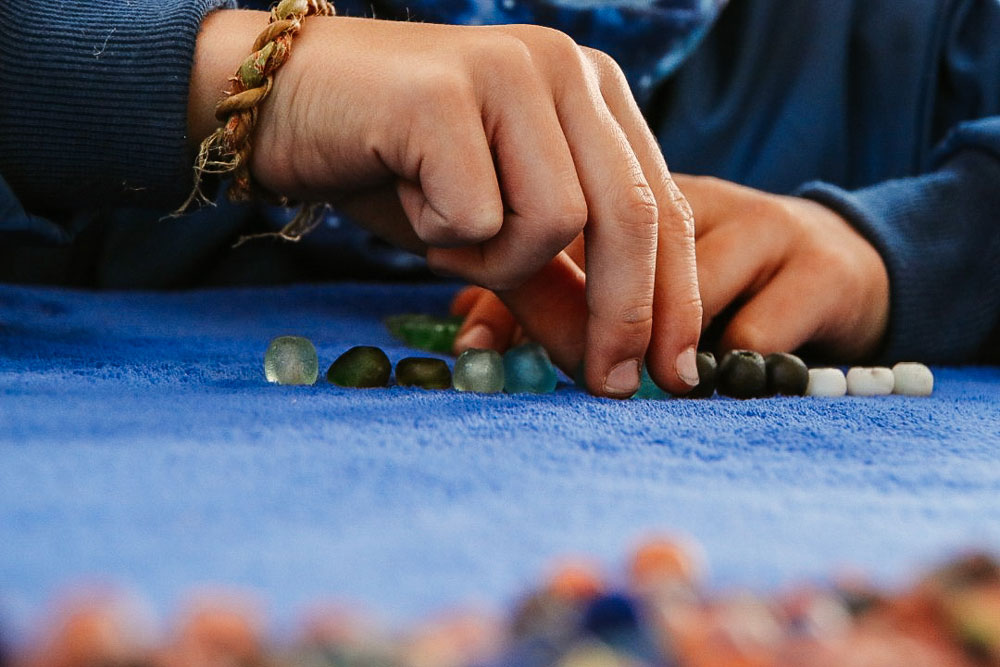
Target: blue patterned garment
x: 648, y: 38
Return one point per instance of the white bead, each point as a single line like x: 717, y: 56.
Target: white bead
x: 913, y: 379
x: 828, y: 382
x: 865, y: 381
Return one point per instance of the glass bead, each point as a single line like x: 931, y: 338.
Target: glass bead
x: 291, y: 360
x: 423, y: 372
x: 742, y: 374
x: 648, y: 389
x: 362, y: 366
x: 425, y: 332
x: 528, y: 369
x: 787, y: 375
x: 707, y: 371
x: 479, y: 370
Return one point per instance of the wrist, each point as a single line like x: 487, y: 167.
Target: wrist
x: 224, y: 41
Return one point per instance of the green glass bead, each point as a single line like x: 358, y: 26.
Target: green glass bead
x: 742, y: 374
x: 362, y: 366
x: 423, y: 372
x: 479, y: 370
x: 425, y: 332
x: 291, y: 360
x: 528, y: 369
x: 707, y: 370
x: 787, y: 375
x: 648, y: 389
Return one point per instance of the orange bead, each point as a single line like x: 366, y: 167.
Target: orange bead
x: 575, y: 581
x: 659, y: 559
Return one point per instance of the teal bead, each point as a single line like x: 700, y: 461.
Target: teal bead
x: 425, y: 332
x: 528, y: 369
x: 648, y: 389
x: 479, y: 370
x: 363, y: 366
x: 291, y: 360
x: 423, y: 372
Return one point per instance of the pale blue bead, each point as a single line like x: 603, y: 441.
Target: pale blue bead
x: 478, y: 370
x: 527, y: 369
x: 291, y: 360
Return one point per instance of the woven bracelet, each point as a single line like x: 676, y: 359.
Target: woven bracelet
x: 227, y: 150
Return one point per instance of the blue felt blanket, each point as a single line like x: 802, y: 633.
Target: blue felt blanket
x: 140, y: 444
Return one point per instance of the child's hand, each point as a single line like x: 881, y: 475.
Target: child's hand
x: 500, y: 145
x: 793, y: 270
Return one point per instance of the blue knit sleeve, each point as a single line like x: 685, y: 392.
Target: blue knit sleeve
x: 94, y: 104
x: 939, y: 234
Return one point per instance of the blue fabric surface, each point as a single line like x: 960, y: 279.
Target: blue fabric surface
x: 140, y: 443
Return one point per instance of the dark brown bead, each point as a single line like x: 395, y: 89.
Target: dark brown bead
x: 423, y: 372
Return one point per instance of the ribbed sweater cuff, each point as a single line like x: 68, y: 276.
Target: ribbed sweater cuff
x: 94, y: 109
x: 939, y: 237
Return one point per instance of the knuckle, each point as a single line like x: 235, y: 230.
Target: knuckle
x: 638, y: 313
x: 500, y: 280
x: 684, y: 220
x: 638, y: 212
x: 554, y: 41
x: 455, y: 232
x: 506, y: 54
x: 608, y: 69
x: 567, y: 219
x: 553, y: 47
x: 454, y: 229
x: 444, y: 89
x: 631, y: 317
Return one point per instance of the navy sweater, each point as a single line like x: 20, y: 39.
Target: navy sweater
x: 887, y: 111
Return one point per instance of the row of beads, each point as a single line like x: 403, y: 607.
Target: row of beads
x: 528, y: 369
x: 292, y: 360
x: 906, y: 378
x: 748, y: 374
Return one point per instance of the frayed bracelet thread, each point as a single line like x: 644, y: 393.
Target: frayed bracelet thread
x: 227, y: 149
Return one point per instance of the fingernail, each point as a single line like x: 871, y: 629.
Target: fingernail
x: 623, y: 378
x: 479, y: 337
x: 687, y: 367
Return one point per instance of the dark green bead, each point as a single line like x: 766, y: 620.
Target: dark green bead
x: 361, y: 366
x: 742, y: 374
x: 707, y: 371
x: 425, y: 332
x: 787, y: 375
x: 423, y: 372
